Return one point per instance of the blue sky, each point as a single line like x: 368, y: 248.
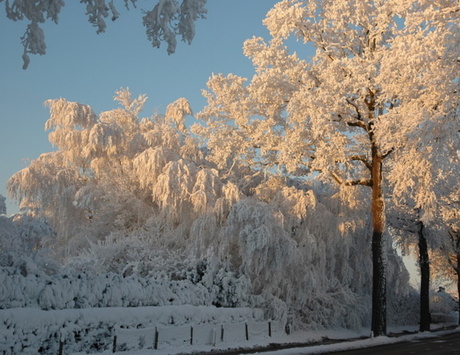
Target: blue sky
x: 88, y: 68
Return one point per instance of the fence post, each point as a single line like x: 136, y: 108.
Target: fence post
x: 222, y: 333
x: 214, y: 336
x: 246, y: 330
x: 114, y: 347
x: 269, y: 329
x: 60, y: 338
x: 155, y: 341
x: 191, y: 335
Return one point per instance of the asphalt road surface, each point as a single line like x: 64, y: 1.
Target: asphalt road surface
x: 443, y: 345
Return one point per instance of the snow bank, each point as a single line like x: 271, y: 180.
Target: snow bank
x: 358, y: 344
x: 343, y: 340
x: 199, y: 336
x: 32, y: 331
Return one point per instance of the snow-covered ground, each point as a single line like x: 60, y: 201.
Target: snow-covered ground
x: 168, y: 330
x: 357, y: 344
x: 31, y: 330
x: 341, y: 340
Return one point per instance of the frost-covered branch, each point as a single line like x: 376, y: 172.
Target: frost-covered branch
x: 167, y: 20
x: 363, y: 159
x: 341, y: 181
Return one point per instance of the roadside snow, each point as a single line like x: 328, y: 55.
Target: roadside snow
x: 301, y: 336
x: 342, y: 340
x: 174, y: 329
x: 358, y: 344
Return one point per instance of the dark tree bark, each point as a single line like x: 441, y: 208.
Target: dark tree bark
x: 379, y: 304
x: 458, y: 284
x: 424, y: 264
x: 455, y: 264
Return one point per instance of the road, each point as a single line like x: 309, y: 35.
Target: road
x: 443, y: 345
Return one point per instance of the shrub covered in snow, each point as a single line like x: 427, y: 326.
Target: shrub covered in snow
x: 441, y: 302
x: 112, y: 290
x: 272, y: 251
x: 24, y: 245
x: 32, y: 331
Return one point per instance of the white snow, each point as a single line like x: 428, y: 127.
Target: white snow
x: 344, y: 341
x: 358, y: 344
x: 171, y: 330
x: 26, y: 330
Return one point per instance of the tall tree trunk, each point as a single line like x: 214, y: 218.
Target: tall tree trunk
x: 379, y: 304
x: 424, y: 263
x: 458, y: 284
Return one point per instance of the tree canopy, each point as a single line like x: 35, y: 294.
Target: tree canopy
x: 379, y: 95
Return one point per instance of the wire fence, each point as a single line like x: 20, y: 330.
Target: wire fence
x: 160, y: 337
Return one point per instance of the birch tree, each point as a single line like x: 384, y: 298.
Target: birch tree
x: 111, y: 171
x: 379, y: 92
x: 163, y: 23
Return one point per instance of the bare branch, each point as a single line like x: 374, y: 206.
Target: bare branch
x: 388, y: 153
x: 340, y: 181
x: 336, y: 178
x: 362, y: 182
x: 362, y: 159
x: 359, y: 124
x: 358, y: 117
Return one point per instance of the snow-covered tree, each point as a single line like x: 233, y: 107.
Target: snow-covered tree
x: 410, y: 232
x: 449, y: 260
x: 25, y: 245
x: 110, y: 172
x: 447, y: 257
x: 430, y: 232
x: 167, y: 20
x: 378, y: 98
x: 2, y: 205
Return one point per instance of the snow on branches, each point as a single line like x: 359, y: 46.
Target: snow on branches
x: 163, y: 23
x: 280, y: 182
x: 96, y: 156
x: 139, y: 196
x: 375, y: 104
